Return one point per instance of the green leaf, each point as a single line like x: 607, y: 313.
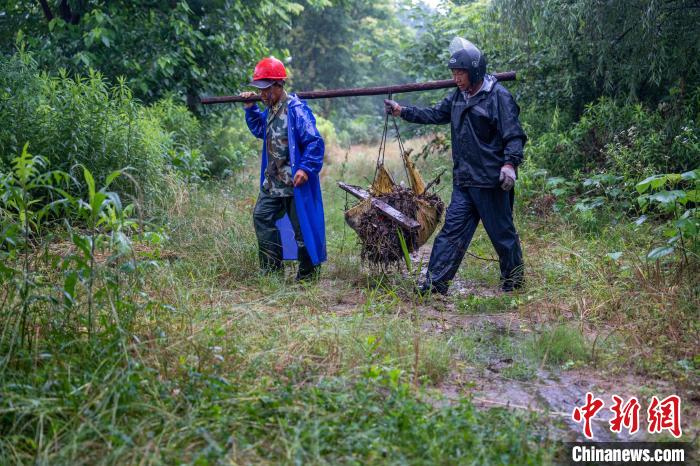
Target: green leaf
x: 691, y: 175
x: 587, y: 204
x: 82, y: 243
x: 673, y: 178
x: 660, y: 252
x: 69, y: 288
x: 668, y: 197
x: 555, y: 181
x: 121, y: 243
x: 670, y: 232
x: 653, y: 182
x: 404, y: 249
x: 693, y: 195
x: 688, y: 226
x: 90, y: 182
x: 643, y: 201
x: 112, y: 176
x: 84, y: 58
x: 114, y: 200
x: 614, y: 255
x: 97, y: 202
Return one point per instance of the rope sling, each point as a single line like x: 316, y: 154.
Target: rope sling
x: 380, y: 234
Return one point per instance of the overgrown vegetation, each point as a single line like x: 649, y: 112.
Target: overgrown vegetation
x: 123, y: 347
x: 134, y: 326
x: 85, y: 120
x: 183, y: 47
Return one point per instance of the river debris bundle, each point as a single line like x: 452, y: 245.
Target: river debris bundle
x: 391, y: 219
x: 380, y: 236
x: 389, y: 215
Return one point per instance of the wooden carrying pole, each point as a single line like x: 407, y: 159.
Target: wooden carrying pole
x: 405, y: 221
x: 359, y: 91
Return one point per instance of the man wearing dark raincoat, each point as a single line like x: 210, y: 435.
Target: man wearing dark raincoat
x: 288, y: 216
x: 487, y: 147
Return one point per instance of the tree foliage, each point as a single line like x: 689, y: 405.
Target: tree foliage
x: 569, y: 52
x: 86, y: 121
x: 343, y: 43
x: 424, y: 54
x: 583, y: 49
x: 188, y: 47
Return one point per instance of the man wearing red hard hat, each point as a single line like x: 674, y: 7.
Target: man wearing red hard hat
x: 288, y: 216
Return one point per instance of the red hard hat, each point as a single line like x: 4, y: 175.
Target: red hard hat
x: 269, y: 68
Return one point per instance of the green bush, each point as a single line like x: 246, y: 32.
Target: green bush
x: 627, y: 140
x: 182, y: 153
x: 673, y: 197
x: 215, y: 145
x: 76, y: 121
x: 327, y: 130
x: 226, y: 143
x: 89, y: 290
x: 363, y: 129
x: 560, y: 344
x: 182, y: 125
x: 83, y: 120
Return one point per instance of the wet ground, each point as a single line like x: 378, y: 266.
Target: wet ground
x: 496, y: 371
x: 493, y: 378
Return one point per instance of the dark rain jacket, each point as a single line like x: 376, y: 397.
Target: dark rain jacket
x: 306, y: 150
x: 486, y: 132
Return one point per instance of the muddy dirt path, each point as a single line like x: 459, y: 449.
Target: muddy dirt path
x: 549, y: 389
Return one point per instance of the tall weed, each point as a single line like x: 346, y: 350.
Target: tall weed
x: 83, y: 120
x: 69, y: 280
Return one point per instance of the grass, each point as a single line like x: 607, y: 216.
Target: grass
x: 125, y: 414
x: 222, y: 365
x: 560, y: 344
x: 490, y: 348
x: 474, y: 304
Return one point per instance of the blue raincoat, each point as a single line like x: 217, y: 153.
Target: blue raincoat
x: 306, y: 150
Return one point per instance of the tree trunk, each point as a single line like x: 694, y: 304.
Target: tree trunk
x: 66, y: 14
x: 47, y: 10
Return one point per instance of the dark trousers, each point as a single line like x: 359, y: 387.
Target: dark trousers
x: 267, y: 211
x: 494, y: 207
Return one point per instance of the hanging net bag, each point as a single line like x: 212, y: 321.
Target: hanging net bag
x: 389, y: 216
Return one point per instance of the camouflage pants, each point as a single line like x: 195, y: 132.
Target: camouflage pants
x: 267, y: 211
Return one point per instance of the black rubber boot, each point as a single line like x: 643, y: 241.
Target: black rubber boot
x: 428, y: 287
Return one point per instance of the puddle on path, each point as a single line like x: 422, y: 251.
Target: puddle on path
x: 557, y: 394
x: 551, y: 392
x: 548, y: 390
